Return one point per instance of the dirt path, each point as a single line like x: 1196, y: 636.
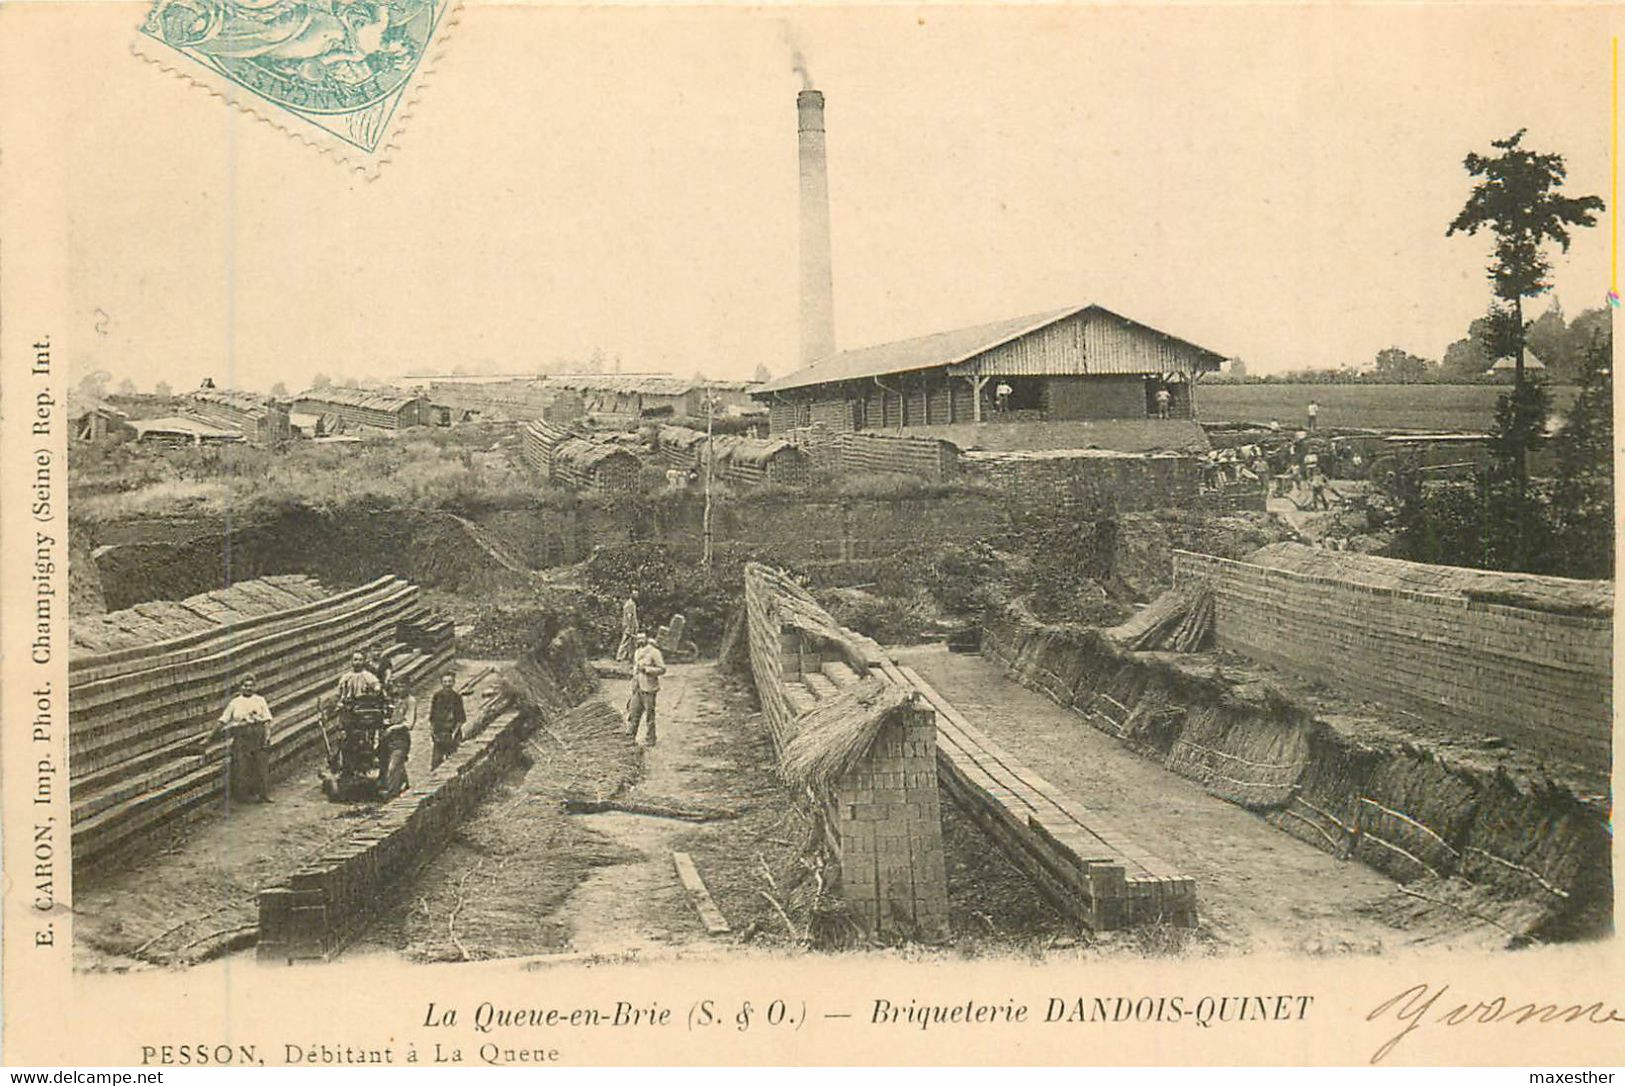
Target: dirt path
x: 524, y: 878
x: 1257, y: 889
x: 634, y: 906
x: 198, y: 896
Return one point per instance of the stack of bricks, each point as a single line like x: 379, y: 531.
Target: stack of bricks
x: 1237, y: 498
x: 537, y: 444
x: 326, y: 902
x: 1404, y: 808
x: 865, y: 452
x: 882, y: 818
x: 817, y: 442
x: 1089, y: 480
x: 679, y: 447
x: 893, y: 872
x: 520, y: 398
x: 1534, y: 675
x: 135, y: 714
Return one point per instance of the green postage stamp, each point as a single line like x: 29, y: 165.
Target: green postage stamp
x: 340, y: 68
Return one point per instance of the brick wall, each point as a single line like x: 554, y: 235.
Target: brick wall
x: 1089, y: 480
x: 1101, y: 397
x: 859, y: 452
x: 863, y: 452
x: 1541, y: 677
x: 889, y: 822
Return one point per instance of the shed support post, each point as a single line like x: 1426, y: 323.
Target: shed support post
x: 977, y: 384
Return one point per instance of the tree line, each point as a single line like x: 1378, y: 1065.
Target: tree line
x: 1558, y: 342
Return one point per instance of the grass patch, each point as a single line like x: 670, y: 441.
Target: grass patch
x: 462, y: 472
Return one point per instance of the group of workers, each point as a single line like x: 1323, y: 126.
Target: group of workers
x: 376, y: 715
x: 375, y: 728
x: 1299, y: 469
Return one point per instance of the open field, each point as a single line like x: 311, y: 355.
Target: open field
x: 1400, y: 407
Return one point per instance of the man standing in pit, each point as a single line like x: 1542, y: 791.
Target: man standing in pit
x: 1001, y: 397
x: 446, y: 718
x: 629, y: 627
x: 247, y: 720
x: 1165, y: 401
x: 647, y: 666
x: 395, y: 745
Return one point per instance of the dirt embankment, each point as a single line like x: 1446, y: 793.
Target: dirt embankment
x: 85, y: 596
x: 172, y: 561
x: 1137, y: 555
x: 1489, y: 833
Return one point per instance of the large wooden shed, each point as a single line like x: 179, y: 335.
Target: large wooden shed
x: 1076, y: 364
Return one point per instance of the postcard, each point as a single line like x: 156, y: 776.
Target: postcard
x: 917, y: 534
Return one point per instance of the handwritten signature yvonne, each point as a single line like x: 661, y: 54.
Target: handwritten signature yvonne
x: 1414, y: 1004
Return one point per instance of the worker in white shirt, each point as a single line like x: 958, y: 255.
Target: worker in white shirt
x: 247, y: 721
x: 648, y: 664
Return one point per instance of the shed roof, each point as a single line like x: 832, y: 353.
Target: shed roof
x: 79, y: 406
x: 749, y: 450
x: 175, y: 424
x: 681, y: 437
x: 547, y: 433
x: 647, y: 384
x: 378, y: 399
x: 1531, y: 361
x: 583, y: 454
x: 941, y: 349
x: 249, y: 403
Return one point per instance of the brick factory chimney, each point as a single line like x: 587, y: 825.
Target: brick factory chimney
x: 817, y: 288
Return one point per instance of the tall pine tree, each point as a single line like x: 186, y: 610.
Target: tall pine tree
x: 1518, y: 200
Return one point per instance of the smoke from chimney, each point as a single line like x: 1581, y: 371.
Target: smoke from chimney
x: 817, y: 286
x: 798, y: 64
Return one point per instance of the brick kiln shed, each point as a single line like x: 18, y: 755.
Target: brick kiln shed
x: 1082, y: 363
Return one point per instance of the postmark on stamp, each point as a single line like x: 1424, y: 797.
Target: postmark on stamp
x: 334, y: 71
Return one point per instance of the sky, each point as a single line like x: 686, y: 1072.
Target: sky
x: 1272, y: 183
